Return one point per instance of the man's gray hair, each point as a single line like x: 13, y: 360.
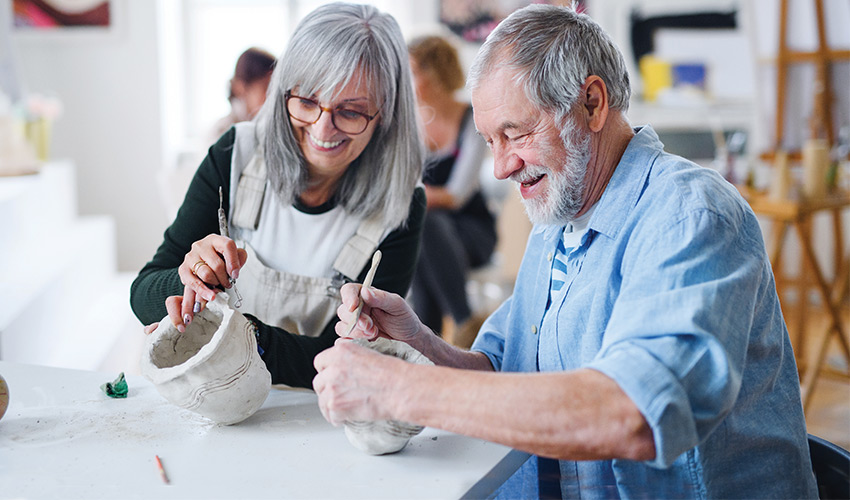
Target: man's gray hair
x: 325, y: 52
x: 553, y: 50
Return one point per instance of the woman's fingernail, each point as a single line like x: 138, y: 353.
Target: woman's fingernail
x: 196, y: 309
x: 235, y: 274
x: 181, y: 328
x: 187, y: 318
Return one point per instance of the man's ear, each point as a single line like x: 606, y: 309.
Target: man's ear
x: 595, y: 100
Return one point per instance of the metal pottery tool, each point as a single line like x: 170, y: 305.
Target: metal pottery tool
x: 376, y: 259
x: 222, y: 229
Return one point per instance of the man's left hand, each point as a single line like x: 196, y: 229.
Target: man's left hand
x: 354, y: 382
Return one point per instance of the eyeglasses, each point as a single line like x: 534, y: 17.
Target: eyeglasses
x: 346, y: 120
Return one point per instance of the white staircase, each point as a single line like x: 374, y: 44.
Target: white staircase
x: 62, y: 303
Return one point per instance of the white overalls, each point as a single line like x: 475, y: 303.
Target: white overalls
x: 299, y: 303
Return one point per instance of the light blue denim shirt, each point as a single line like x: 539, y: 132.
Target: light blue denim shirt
x: 670, y: 293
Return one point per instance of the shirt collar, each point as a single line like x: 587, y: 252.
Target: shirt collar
x: 623, y: 190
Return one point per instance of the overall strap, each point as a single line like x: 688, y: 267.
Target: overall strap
x: 358, y: 250
x: 249, y: 194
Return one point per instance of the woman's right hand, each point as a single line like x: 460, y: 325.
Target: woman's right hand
x: 205, y: 269
x: 384, y: 314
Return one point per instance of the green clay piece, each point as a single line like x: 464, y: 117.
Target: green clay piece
x: 117, y: 388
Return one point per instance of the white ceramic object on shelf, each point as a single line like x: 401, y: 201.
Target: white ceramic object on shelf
x: 385, y: 436
x: 213, y: 368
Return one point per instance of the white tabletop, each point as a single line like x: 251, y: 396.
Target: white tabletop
x: 62, y: 437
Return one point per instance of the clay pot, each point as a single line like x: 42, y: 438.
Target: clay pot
x: 4, y: 396
x: 385, y: 436
x: 213, y: 368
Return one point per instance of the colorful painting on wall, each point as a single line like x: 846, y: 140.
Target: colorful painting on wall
x: 473, y: 20
x: 52, y: 14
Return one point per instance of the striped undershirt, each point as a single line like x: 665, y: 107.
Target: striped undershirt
x: 571, y: 238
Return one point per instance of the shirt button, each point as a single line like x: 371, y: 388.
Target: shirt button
x: 534, y: 329
x: 549, y: 256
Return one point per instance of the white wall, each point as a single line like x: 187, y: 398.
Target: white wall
x: 111, y: 125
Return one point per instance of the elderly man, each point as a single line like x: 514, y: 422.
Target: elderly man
x: 643, y: 346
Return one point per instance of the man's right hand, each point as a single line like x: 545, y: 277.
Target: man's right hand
x: 384, y: 314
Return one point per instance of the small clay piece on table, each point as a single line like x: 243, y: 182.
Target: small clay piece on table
x: 117, y: 388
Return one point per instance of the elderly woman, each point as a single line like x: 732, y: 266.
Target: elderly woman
x: 325, y: 174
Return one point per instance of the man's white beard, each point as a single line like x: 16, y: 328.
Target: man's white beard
x: 564, y: 194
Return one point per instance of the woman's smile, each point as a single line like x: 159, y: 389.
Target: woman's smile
x: 324, y: 145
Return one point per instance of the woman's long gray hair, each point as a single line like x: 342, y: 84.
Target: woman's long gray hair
x: 326, y: 51
x: 553, y: 50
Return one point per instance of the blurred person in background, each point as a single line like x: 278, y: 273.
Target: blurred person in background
x: 459, y: 232
x: 247, y: 93
x: 248, y: 89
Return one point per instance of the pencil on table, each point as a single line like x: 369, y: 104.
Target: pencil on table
x: 161, y: 470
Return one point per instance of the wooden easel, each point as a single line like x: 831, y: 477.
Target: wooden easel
x: 823, y: 58
x: 798, y: 213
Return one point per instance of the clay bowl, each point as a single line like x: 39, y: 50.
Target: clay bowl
x: 4, y: 396
x: 385, y: 436
x: 213, y: 368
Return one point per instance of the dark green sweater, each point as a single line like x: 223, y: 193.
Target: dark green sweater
x: 289, y: 357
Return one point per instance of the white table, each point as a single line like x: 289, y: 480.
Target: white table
x: 62, y: 437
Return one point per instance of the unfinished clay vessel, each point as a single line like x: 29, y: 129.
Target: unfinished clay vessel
x: 213, y: 368
x: 385, y: 436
